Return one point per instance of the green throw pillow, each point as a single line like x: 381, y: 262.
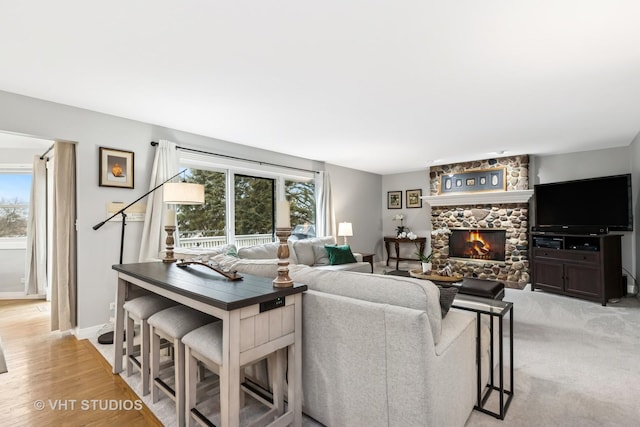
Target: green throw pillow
x: 339, y: 254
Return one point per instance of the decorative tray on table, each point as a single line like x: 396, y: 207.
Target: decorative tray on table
x: 420, y: 275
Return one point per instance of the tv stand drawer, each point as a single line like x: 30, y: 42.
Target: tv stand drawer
x: 568, y: 255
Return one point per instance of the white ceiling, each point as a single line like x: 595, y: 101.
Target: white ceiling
x: 381, y: 86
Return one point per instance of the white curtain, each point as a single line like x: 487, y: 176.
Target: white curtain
x: 63, y: 284
x: 36, y: 268
x: 326, y: 219
x: 165, y: 165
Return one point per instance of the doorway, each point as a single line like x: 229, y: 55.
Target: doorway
x: 16, y: 178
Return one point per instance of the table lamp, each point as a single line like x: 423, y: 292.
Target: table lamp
x: 345, y: 229
x: 178, y: 193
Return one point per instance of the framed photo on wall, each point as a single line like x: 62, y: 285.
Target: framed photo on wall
x: 394, y: 199
x: 413, y: 198
x: 474, y: 181
x: 116, y: 168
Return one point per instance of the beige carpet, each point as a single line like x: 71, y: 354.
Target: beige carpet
x: 3, y: 362
x: 576, y: 363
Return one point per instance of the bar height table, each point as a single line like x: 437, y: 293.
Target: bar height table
x: 243, y: 306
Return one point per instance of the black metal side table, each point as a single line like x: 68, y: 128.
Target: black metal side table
x: 493, y: 309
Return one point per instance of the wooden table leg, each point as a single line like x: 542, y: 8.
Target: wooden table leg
x: 397, y: 244
x: 230, y: 371
x: 386, y: 246
x: 295, y: 366
x: 118, y: 331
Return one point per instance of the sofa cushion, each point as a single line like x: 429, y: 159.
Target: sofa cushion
x: 401, y: 291
x: 320, y: 255
x: 304, y: 249
x: 339, y: 254
x: 360, y: 267
x: 264, y: 251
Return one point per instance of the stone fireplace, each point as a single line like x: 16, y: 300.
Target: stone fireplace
x: 483, y: 234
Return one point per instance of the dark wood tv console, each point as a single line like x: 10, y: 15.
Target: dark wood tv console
x: 582, y: 266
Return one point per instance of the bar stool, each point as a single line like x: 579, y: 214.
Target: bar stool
x: 139, y: 310
x: 204, y: 345
x: 172, y: 324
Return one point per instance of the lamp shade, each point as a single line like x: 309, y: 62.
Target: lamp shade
x: 183, y: 193
x: 345, y: 229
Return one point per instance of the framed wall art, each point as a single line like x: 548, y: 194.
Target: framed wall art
x: 413, y: 198
x: 394, y: 199
x: 116, y: 168
x: 474, y: 181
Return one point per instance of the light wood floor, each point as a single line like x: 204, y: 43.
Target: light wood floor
x: 46, y: 367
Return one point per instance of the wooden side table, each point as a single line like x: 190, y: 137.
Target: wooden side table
x: 422, y: 241
x: 367, y: 257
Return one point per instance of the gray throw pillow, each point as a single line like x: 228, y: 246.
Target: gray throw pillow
x: 447, y: 295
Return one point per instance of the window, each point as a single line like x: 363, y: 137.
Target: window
x: 302, y: 199
x: 204, y: 225
x: 240, y: 202
x: 254, y: 214
x: 14, y: 204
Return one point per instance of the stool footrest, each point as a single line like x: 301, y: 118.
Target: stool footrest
x: 134, y: 359
x: 165, y: 387
x: 201, y: 418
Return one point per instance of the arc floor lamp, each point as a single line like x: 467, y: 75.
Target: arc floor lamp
x: 179, y: 193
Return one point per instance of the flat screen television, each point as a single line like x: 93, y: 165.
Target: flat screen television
x: 604, y: 202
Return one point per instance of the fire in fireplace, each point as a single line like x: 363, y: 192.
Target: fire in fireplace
x: 480, y: 244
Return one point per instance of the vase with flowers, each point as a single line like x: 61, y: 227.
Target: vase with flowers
x: 401, y: 228
x: 424, y: 259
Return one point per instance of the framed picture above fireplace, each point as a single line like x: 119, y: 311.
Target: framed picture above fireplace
x: 474, y: 181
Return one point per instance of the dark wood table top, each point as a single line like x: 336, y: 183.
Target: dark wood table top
x: 403, y: 239
x: 205, y: 285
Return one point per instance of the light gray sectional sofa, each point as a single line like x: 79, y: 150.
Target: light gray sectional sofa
x: 377, y: 351
x: 308, y: 252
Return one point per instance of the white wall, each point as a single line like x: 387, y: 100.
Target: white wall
x: 635, y: 184
x: 417, y: 219
x: 584, y: 164
x: 19, y: 156
x: 356, y: 200
x: 98, y: 250
x: 591, y: 164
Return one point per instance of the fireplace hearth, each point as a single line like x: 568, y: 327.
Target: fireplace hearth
x: 477, y: 244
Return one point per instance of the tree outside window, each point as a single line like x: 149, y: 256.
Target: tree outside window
x: 253, y: 203
x: 302, y: 201
x: 208, y: 219
x: 14, y: 204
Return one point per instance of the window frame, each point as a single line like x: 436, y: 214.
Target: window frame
x: 17, y: 169
x: 231, y: 168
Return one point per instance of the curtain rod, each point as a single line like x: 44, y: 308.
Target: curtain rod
x: 153, y: 143
x: 45, y: 153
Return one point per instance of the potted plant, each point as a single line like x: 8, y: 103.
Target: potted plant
x: 424, y: 259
